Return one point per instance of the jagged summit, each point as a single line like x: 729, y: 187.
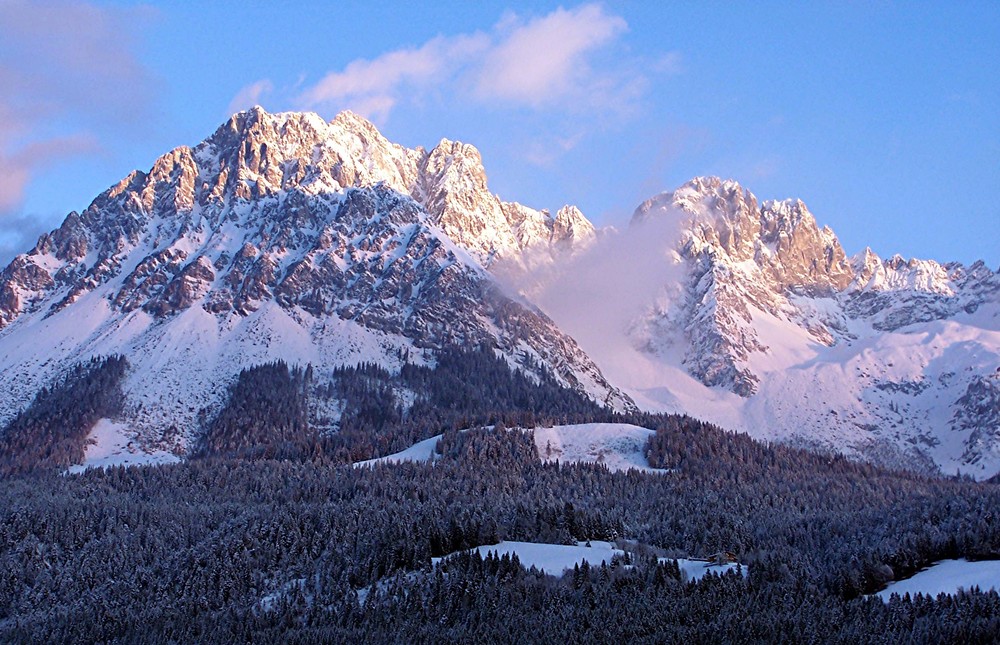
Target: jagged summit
x: 259, y: 153
x: 781, y: 237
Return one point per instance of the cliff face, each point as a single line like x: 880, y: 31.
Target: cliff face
x: 774, y: 258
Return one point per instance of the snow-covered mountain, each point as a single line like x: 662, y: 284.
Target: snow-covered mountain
x: 281, y: 236
x: 750, y: 315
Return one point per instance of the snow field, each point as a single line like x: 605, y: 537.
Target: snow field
x: 947, y: 576
x: 110, y: 444
x: 619, y: 446
x: 553, y: 559
x: 556, y: 559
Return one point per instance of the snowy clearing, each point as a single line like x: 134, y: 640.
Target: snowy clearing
x: 698, y: 569
x: 947, y: 576
x: 619, y: 446
x: 556, y: 559
x: 111, y: 444
x: 418, y: 452
x: 551, y: 558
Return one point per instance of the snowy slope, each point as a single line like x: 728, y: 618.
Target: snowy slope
x: 112, y: 444
x: 553, y: 559
x: 420, y: 452
x: 693, y: 570
x: 619, y: 446
x: 556, y: 559
x: 947, y: 576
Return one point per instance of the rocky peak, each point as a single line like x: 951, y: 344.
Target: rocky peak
x: 454, y: 191
x: 570, y: 229
x: 725, y: 220
x: 747, y: 258
x: 256, y: 158
x: 798, y: 254
x: 326, y: 221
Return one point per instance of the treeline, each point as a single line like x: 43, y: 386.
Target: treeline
x: 52, y: 431
x: 464, y: 388
x: 271, y: 537
x: 266, y: 414
x: 232, y: 551
x: 265, y: 417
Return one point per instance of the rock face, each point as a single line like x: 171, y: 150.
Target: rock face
x: 281, y: 236
x: 978, y: 413
x: 774, y: 258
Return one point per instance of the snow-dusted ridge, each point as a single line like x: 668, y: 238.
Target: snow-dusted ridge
x: 751, y: 315
x: 281, y: 236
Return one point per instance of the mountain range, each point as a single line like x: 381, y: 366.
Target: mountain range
x: 286, y: 237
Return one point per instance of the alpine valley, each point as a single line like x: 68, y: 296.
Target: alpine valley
x: 283, y: 237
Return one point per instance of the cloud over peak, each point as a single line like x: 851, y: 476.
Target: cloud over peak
x: 538, y: 63
x: 544, y: 60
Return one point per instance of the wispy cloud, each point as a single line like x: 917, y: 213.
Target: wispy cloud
x: 250, y: 96
x: 546, y: 150
x: 17, y: 168
x: 373, y: 87
x: 543, y: 61
x: 569, y: 60
x: 65, y: 67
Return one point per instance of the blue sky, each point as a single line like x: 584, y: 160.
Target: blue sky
x: 883, y: 117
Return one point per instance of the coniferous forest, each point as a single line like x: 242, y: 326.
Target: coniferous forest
x: 268, y: 533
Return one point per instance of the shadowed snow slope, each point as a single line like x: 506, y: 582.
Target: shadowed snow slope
x: 619, y: 446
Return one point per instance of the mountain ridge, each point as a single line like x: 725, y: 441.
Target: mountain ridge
x: 279, y: 237
x: 284, y: 236
x: 757, y: 320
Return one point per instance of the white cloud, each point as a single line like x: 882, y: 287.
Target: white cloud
x: 546, y: 62
x: 373, y: 87
x: 250, y: 96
